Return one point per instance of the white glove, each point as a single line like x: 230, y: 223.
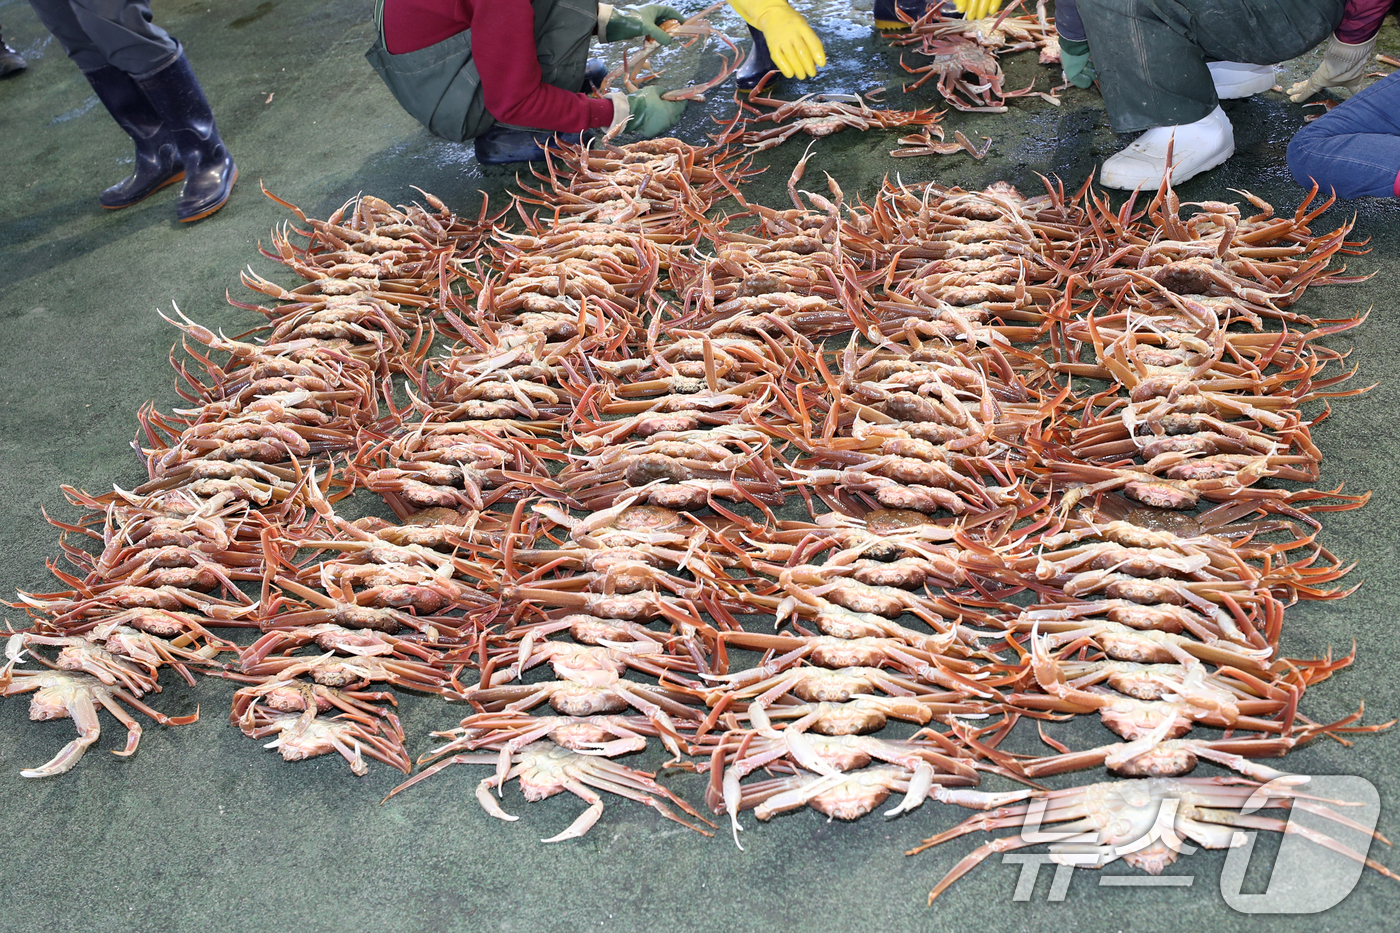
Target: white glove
x: 1342, y: 66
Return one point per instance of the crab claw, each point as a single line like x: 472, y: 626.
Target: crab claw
x: 488, y: 803
x: 919, y: 786
x: 731, y: 803
x: 805, y: 755
x: 785, y: 608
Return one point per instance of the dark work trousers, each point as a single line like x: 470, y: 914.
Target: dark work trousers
x: 1151, y: 54
x: 98, y: 33
x: 440, y: 87
x: 1353, y: 149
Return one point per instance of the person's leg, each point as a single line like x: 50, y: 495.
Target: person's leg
x: 756, y: 65
x: 143, y: 78
x: 176, y: 95
x: 1354, y: 149
x: 57, y: 17
x: 125, y: 34
x: 1151, y: 72
x: 157, y: 158
x: 1154, y: 77
x: 1151, y: 54
x: 158, y: 161
x: 11, y: 62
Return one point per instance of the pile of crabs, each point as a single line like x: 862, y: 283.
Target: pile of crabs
x: 822, y: 502
x: 963, y: 58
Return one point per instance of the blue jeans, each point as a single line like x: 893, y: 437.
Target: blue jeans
x: 1353, y: 149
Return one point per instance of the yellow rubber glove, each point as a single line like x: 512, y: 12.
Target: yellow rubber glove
x: 977, y: 9
x: 793, y: 45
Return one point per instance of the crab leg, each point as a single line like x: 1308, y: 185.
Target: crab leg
x: 477, y: 759
x: 586, y: 819
x: 483, y: 796
x: 1288, y: 827
x: 971, y: 861
x: 919, y: 786
x: 133, y: 728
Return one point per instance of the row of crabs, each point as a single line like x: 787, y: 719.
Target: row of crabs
x: 629, y: 400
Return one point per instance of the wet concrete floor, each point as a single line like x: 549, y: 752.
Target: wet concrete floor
x: 204, y: 830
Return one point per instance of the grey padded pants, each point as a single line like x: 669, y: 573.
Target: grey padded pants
x: 97, y: 33
x: 1151, y: 54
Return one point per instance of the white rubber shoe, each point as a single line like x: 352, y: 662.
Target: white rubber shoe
x: 1195, y: 147
x: 1240, y: 79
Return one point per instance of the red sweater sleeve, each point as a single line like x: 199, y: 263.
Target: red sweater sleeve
x: 503, y: 48
x: 1362, y: 20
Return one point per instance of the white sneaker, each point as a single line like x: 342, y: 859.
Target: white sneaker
x: 1240, y: 79
x: 1195, y: 147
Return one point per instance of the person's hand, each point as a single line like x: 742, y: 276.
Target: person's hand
x: 977, y: 9
x: 650, y: 115
x: 792, y: 44
x: 1342, y: 66
x: 643, y: 21
x: 1074, y: 59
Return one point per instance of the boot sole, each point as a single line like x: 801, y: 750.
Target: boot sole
x: 165, y: 184
x: 209, y: 210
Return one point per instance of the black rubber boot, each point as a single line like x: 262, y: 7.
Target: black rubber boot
x: 758, y: 64
x: 11, y: 62
x: 593, y: 74
x: 157, y: 156
x: 501, y: 145
x: 176, y: 96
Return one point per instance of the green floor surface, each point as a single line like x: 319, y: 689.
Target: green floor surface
x: 203, y: 830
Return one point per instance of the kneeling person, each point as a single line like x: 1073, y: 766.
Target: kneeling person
x: 1153, y: 61
x: 509, y: 74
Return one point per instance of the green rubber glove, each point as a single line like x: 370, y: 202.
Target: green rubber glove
x: 1074, y: 58
x: 643, y: 21
x: 652, y: 116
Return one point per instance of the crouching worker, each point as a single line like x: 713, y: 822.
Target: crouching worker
x: 1152, y: 58
x: 510, y: 74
